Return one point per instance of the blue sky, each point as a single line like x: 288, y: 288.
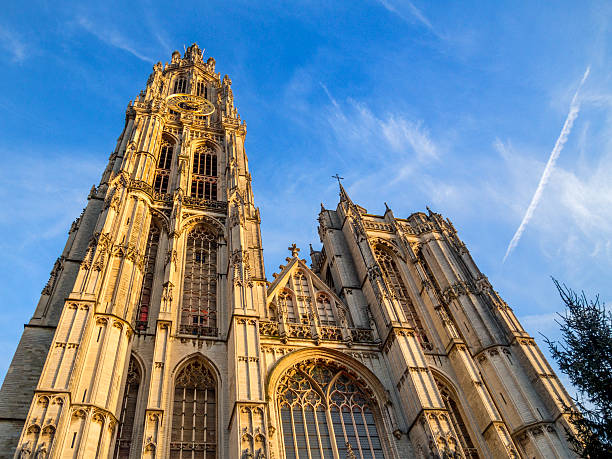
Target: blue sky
x: 455, y: 105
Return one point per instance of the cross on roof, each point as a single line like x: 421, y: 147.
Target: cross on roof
x: 294, y: 250
x: 337, y: 177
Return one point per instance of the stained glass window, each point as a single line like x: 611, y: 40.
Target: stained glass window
x: 324, y: 409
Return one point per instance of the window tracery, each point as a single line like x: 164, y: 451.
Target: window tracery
x: 194, y: 431
x: 323, y: 409
x: 142, y: 316
x: 394, y: 281
x: 128, y: 411
x: 164, y: 163
x: 302, y: 292
x: 285, y: 300
x: 199, y: 307
x: 457, y: 420
x: 204, y: 174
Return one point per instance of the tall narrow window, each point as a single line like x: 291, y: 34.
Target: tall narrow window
x: 460, y: 428
x: 394, y: 281
x: 180, y: 86
x: 324, y: 310
x: 325, y: 410
x: 302, y: 293
x: 162, y: 173
x: 148, y: 276
x: 204, y: 174
x: 329, y: 279
x: 287, y: 305
x: 201, y: 89
x: 194, y: 414
x: 199, y: 309
x: 128, y: 411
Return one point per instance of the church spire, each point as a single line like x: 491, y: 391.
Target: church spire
x: 344, y: 197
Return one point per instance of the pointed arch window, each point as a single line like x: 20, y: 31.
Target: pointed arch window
x: 180, y: 86
x: 457, y: 420
x: 394, y: 281
x: 204, y: 174
x: 199, y: 307
x: 325, y: 310
x: 194, y: 413
x: 142, y: 316
x: 164, y: 163
x: 201, y: 89
x: 324, y: 410
x: 128, y: 411
x: 302, y: 292
x: 287, y: 305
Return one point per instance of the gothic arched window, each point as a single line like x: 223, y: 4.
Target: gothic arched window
x: 199, y: 308
x: 204, y: 174
x: 323, y: 409
x: 394, y: 281
x: 128, y: 411
x: 324, y: 310
x: 194, y: 413
x: 457, y: 420
x: 302, y: 292
x: 147, y: 281
x: 201, y: 89
x: 164, y: 163
x: 287, y: 305
x: 180, y: 86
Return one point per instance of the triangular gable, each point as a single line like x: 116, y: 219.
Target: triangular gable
x: 283, y: 277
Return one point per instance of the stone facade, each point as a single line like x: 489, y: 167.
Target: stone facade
x: 159, y: 336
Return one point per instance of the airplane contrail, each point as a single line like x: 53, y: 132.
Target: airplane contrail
x: 550, y: 165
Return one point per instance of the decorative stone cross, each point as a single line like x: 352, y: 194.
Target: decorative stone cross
x: 294, y: 250
x: 337, y: 177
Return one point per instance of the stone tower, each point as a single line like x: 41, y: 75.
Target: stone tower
x: 159, y: 336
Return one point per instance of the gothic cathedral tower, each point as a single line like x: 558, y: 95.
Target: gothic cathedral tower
x: 158, y: 335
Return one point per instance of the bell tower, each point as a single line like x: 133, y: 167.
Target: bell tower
x: 147, y: 312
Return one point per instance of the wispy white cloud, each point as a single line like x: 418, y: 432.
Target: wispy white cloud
x: 13, y: 44
x: 393, y: 133
x: 554, y: 155
x: 407, y: 11
x: 111, y: 37
x: 399, y: 131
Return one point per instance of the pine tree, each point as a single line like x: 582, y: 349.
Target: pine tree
x: 584, y: 354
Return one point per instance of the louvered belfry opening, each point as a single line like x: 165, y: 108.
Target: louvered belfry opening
x: 324, y: 409
x: 164, y: 164
x: 128, y: 411
x: 194, y: 413
x: 199, y: 307
x: 204, y: 174
x: 325, y: 310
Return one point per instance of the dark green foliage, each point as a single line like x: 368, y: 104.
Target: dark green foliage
x: 584, y: 354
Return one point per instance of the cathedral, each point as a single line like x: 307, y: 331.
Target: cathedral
x: 158, y: 334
